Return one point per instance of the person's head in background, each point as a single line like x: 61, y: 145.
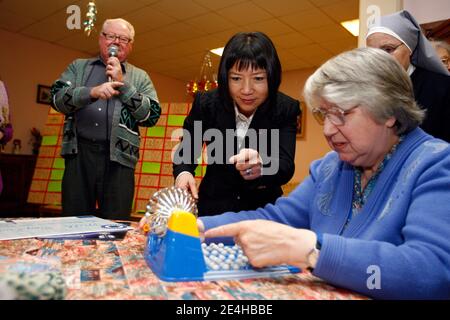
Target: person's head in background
x: 249, y: 71
x: 399, y: 34
x: 365, y: 101
x: 443, y: 50
x: 119, y: 33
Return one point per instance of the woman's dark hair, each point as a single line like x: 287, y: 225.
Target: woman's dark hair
x: 250, y: 49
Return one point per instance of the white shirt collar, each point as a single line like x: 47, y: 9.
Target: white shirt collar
x: 411, y: 69
x: 241, y: 117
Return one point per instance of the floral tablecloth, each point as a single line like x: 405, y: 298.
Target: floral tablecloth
x: 94, y: 269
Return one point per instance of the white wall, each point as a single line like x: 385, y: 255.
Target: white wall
x: 428, y: 11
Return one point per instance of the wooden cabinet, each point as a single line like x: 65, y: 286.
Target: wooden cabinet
x: 17, y: 172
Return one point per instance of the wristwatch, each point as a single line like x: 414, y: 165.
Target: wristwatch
x: 312, y: 258
x: 313, y: 255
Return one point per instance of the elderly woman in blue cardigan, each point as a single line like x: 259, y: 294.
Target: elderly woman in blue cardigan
x: 373, y: 216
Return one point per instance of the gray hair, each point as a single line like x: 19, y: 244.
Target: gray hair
x: 120, y: 20
x: 441, y: 44
x: 370, y: 78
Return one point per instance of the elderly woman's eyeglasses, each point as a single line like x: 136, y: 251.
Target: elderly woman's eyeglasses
x: 335, y: 114
x: 113, y: 37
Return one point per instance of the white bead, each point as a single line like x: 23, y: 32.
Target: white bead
x: 215, y: 267
x: 225, y: 266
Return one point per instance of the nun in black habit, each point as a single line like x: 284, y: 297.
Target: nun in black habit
x: 400, y: 35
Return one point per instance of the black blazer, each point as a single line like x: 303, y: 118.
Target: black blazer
x: 432, y: 92
x: 222, y: 188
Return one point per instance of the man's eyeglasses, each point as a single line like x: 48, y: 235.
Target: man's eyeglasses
x: 390, y: 49
x: 335, y: 114
x: 113, y: 37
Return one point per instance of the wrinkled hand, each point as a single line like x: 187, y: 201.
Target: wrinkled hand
x: 187, y: 181
x: 106, y: 90
x: 267, y: 243
x: 248, y: 163
x: 114, y: 69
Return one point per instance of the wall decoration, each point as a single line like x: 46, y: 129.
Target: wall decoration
x: 301, y: 121
x: 91, y: 18
x: 43, y: 94
x: 153, y: 170
x: 207, y: 80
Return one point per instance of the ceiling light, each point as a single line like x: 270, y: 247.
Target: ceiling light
x: 217, y: 51
x: 352, y: 26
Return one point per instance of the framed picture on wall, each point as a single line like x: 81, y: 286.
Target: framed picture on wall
x: 301, y: 121
x: 43, y: 94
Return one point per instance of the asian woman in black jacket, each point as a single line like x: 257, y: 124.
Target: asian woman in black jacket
x: 249, y: 128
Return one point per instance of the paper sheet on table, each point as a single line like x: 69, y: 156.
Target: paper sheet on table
x: 44, y: 227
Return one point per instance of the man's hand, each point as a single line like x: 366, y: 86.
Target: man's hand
x: 248, y: 163
x: 106, y: 90
x: 268, y: 243
x: 114, y: 69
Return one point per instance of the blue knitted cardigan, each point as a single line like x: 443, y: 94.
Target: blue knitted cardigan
x: 402, y: 232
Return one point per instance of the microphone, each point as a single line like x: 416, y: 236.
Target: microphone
x: 112, y: 52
